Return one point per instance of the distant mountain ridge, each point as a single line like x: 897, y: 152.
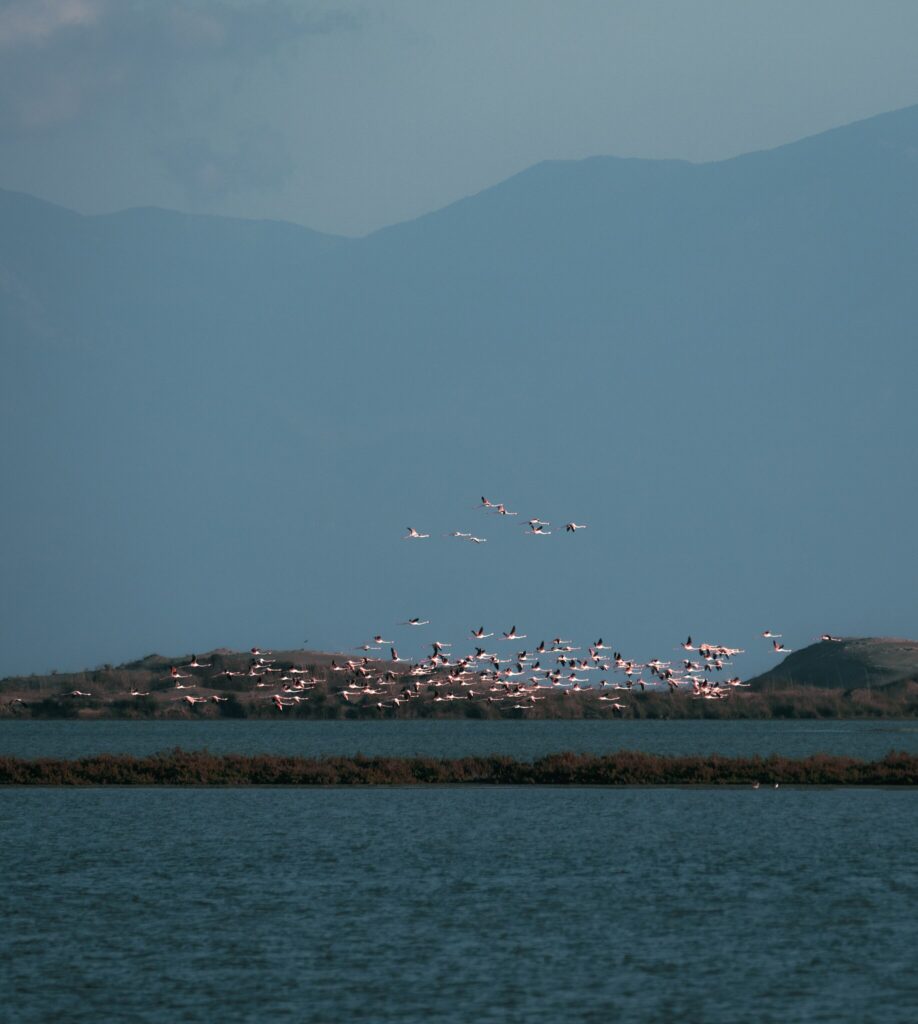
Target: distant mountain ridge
x: 218, y: 428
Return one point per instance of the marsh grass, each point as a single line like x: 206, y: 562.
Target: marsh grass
x: 624, y: 768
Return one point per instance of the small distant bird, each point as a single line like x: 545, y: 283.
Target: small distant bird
x: 415, y: 622
x: 574, y: 527
x: 828, y: 636
x: 780, y: 648
x: 768, y: 634
x: 480, y: 634
x: 413, y: 534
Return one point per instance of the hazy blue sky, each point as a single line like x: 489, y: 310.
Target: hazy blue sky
x: 346, y: 116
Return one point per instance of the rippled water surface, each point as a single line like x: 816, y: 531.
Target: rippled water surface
x: 441, y: 905
x: 457, y: 738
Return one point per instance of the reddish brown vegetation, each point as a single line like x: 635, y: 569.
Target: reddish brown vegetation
x: 625, y: 768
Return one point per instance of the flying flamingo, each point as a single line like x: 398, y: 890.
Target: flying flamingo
x: 513, y: 635
x: 413, y: 534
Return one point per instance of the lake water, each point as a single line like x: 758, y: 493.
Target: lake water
x: 457, y: 738
x: 445, y: 906
x: 448, y: 906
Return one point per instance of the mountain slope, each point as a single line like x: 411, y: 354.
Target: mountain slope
x: 848, y: 663
x: 219, y: 429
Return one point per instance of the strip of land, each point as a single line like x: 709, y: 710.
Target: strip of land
x: 852, y: 679
x: 623, y: 768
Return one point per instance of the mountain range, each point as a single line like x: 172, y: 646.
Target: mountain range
x: 216, y: 431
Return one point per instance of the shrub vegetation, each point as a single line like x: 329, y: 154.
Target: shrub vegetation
x: 624, y: 768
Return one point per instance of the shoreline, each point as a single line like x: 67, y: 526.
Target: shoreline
x: 587, y: 705
x: 324, y: 686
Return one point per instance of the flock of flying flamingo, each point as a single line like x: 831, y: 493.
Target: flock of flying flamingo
x: 515, y: 682
x: 508, y: 679
x: 536, y: 526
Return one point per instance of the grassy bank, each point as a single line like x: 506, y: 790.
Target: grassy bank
x: 625, y: 768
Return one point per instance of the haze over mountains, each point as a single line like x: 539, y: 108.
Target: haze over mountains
x: 216, y: 431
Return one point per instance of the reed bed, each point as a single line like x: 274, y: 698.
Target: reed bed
x: 623, y: 768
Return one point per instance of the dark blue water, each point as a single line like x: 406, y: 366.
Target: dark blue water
x: 867, y: 739
x: 441, y: 906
